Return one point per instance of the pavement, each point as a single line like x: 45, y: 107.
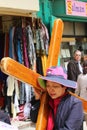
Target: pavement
x: 28, y: 125
x: 23, y: 125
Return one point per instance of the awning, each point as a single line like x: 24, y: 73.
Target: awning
x: 18, y: 7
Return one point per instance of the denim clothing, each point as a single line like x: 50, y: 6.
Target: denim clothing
x: 17, y: 43
x: 11, y: 45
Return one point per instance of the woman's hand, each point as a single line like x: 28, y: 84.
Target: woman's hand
x: 37, y: 93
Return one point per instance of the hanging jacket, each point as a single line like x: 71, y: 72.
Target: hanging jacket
x: 25, y: 53
x: 11, y: 45
x: 31, y: 48
x: 17, y: 44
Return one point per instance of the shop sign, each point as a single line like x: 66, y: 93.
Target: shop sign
x: 76, y: 8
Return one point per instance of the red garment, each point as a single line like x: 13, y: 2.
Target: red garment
x: 26, y: 62
x: 6, y: 48
x: 52, y: 113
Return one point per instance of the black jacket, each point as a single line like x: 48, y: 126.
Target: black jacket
x: 73, y: 70
x: 35, y: 104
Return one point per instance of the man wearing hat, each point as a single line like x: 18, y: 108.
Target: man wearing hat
x: 65, y: 111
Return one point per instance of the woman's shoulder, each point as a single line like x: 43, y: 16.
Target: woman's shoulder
x: 72, y: 99
x: 75, y: 100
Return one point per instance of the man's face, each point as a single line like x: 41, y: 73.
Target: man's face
x: 77, y: 56
x: 55, y: 90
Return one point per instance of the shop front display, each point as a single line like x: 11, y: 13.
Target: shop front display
x: 23, y: 37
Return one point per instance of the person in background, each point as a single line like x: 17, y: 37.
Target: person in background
x: 65, y: 111
x: 81, y: 89
x: 74, y: 67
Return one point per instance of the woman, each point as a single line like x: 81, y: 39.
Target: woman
x: 65, y: 111
x: 81, y: 89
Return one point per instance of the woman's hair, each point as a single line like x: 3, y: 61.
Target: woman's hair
x: 85, y: 67
x: 85, y: 63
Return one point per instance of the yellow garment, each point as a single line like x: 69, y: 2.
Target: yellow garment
x: 44, y: 61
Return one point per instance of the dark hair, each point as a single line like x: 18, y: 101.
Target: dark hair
x: 85, y: 63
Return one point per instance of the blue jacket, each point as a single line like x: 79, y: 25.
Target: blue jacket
x: 69, y: 114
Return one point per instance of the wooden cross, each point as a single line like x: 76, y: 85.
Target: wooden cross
x: 24, y: 74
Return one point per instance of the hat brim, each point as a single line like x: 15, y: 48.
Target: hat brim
x: 68, y: 83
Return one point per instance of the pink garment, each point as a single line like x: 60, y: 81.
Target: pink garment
x: 53, y: 111
x: 53, y: 104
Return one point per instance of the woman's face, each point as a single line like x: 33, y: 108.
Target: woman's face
x: 85, y: 70
x: 55, y: 90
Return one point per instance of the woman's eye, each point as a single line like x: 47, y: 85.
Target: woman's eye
x: 56, y: 86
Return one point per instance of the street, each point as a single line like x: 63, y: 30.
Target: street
x: 23, y: 125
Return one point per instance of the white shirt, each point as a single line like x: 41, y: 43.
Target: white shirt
x: 81, y: 89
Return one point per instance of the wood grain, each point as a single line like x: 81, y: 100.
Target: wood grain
x: 19, y: 71
x: 52, y: 60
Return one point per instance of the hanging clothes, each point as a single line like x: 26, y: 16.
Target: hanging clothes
x: 2, y: 41
x: 29, y: 92
x: 39, y: 65
x: 42, y: 39
x: 12, y: 92
x: 31, y: 49
x: 2, y: 46
x: 45, y: 38
x: 10, y: 85
x: 6, y: 48
x: 11, y: 45
x: 22, y: 93
x: 25, y: 55
x: 17, y: 44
